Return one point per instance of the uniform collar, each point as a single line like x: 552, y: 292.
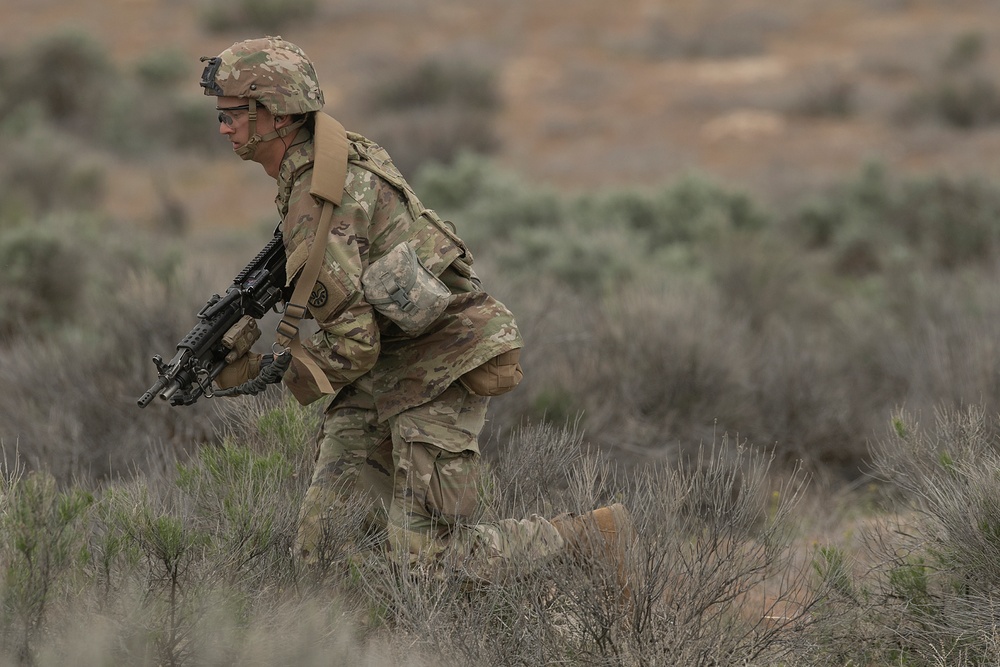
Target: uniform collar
x: 299, y: 156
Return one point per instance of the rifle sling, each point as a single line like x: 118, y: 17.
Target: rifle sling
x: 287, y: 332
x: 330, y: 173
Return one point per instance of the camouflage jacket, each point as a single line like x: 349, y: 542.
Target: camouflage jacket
x: 353, y: 340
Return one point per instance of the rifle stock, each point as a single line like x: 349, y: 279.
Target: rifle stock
x: 201, y: 355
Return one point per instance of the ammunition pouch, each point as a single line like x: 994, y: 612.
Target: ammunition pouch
x: 497, y: 376
x: 401, y: 288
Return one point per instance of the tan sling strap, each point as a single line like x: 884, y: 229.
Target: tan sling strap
x: 329, y: 176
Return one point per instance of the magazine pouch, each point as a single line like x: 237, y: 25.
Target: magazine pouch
x: 398, y: 286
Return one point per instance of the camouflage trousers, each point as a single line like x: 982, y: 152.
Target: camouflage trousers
x: 419, y: 476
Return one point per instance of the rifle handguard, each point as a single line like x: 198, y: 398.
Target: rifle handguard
x: 270, y: 373
x: 225, y: 330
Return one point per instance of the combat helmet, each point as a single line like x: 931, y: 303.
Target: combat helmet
x: 270, y: 72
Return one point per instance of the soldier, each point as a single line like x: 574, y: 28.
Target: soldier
x: 409, y: 345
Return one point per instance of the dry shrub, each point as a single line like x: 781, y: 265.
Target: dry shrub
x: 656, y: 370
x: 72, y: 391
x: 716, y: 570
x: 713, y: 573
x: 929, y: 597
x: 191, y: 564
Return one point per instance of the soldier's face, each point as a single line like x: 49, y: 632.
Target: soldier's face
x: 234, y: 119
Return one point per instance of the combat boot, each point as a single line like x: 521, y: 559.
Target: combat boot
x: 600, y: 540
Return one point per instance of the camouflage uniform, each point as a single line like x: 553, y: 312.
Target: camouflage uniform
x: 402, y: 428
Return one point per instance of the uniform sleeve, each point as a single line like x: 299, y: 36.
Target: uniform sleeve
x: 346, y: 345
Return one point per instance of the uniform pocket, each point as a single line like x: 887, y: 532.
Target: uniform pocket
x: 438, y: 452
x: 453, y: 488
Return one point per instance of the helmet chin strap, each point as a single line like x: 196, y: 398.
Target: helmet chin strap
x: 247, y: 150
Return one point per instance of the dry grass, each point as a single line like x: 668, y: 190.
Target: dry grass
x: 193, y: 565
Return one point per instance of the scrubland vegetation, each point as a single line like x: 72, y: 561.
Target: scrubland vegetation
x: 795, y: 402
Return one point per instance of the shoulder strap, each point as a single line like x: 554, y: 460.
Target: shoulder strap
x: 287, y: 331
x: 329, y: 176
x: 330, y: 162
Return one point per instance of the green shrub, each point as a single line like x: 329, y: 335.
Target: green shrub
x: 832, y: 567
x: 244, y: 498
x: 67, y: 80
x: 693, y: 209
x: 43, y: 275
x: 435, y: 83
x: 46, y: 172
x: 965, y: 51
x: 432, y: 112
x: 170, y: 547
x: 267, y: 16
x: 274, y: 422
x: 590, y: 242
x: 966, y: 103
x: 954, y: 223
x: 909, y: 583
x: 486, y: 204
x: 69, y: 75
x: 163, y: 69
x: 942, y: 222
x: 43, y: 547
x: 152, y: 110
x: 584, y: 262
x: 139, y: 121
x: 963, y: 94
x: 459, y: 185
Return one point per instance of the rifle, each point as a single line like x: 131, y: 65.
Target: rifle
x: 202, y: 353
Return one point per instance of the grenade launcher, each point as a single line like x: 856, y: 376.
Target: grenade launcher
x: 206, y: 349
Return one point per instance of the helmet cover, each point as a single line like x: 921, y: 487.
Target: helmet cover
x: 276, y: 73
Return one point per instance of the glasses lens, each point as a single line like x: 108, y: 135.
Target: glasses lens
x: 226, y: 118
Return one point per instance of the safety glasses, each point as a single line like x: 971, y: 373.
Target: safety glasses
x: 226, y: 118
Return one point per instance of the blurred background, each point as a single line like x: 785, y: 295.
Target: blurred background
x: 775, y: 220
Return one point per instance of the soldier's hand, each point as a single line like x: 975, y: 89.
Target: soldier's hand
x: 244, y: 368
